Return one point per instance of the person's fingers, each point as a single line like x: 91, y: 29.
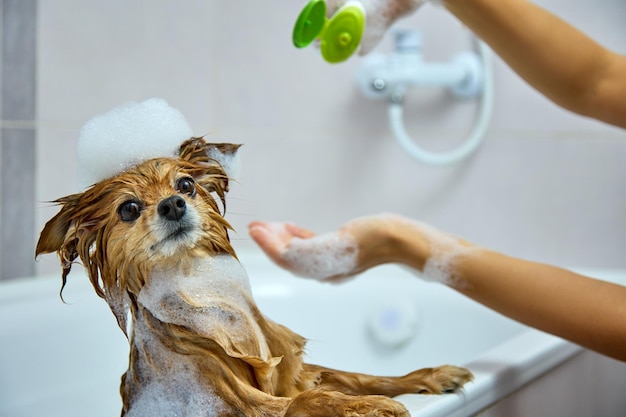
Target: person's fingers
x: 256, y: 223
x: 268, y: 240
x: 299, y: 232
x: 332, y: 255
x: 381, y: 14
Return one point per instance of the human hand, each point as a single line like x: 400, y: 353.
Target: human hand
x: 380, y: 15
x: 361, y: 244
x: 327, y: 257
x: 358, y: 245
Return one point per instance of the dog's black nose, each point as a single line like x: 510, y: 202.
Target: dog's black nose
x: 172, y: 208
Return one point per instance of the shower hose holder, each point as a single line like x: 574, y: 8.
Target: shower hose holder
x: 467, y: 75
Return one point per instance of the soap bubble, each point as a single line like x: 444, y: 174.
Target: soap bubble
x: 128, y: 135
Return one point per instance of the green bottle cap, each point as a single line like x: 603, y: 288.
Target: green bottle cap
x: 310, y: 23
x: 342, y: 35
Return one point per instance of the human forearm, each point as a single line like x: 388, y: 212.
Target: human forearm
x: 558, y: 60
x: 584, y: 310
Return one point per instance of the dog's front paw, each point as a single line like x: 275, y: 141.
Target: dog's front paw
x: 321, y: 403
x: 374, y: 406
x: 441, y: 380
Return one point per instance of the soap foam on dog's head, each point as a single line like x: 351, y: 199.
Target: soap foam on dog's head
x: 128, y: 135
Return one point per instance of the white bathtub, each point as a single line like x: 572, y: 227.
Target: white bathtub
x: 66, y: 359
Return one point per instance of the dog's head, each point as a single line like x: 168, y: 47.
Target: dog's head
x: 161, y: 213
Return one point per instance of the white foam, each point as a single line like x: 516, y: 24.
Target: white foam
x: 174, y: 387
x: 231, y: 163
x: 211, y: 299
x: 127, y: 135
x: 206, y: 283
x: 216, y: 292
x: 322, y: 256
x: 380, y: 15
x: 178, y: 396
x: 445, y: 252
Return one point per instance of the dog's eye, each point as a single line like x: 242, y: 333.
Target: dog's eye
x: 186, y: 186
x: 129, y: 211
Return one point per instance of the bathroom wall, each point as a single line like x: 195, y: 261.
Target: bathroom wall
x: 18, y: 58
x: 546, y: 184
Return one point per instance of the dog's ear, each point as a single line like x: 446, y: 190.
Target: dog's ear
x: 61, y: 235
x: 220, y: 162
x: 199, y: 151
x: 54, y: 234
x: 227, y: 155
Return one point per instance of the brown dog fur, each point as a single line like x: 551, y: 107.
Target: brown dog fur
x: 259, y: 372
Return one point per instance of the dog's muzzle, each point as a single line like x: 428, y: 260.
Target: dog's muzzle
x: 177, y: 225
x: 172, y: 208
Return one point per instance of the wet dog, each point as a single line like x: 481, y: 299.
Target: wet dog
x: 155, y: 244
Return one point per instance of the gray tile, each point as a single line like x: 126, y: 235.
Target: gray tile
x: 18, y: 202
x: 19, y: 19
x: 18, y: 71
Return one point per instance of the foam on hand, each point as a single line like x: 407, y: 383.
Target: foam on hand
x: 127, y: 135
x: 324, y: 256
x: 445, y: 251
